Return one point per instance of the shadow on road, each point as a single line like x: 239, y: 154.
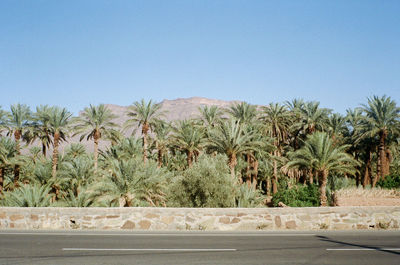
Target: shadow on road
x: 327, y: 239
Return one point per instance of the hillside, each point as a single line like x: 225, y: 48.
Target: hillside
x: 177, y: 109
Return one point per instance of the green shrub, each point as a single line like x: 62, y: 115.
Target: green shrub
x: 247, y: 197
x: 206, y: 184
x: 298, y: 196
x: 27, y: 196
x: 390, y: 182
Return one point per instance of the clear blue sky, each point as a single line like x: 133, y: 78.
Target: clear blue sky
x: 76, y: 53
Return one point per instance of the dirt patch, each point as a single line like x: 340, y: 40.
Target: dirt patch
x: 368, y: 197
x: 359, y: 201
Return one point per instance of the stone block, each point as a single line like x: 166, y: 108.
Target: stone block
x: 235, y: 220
x: 112, y: 216
x: 34, y: 217
x: 290, y: 225
x: 167, y: 219
x: 144, y: 224
x: 152, y: 215
x: 278, y: 222
x: 224, y: 220
x: 128, y: 225
x: 16, y: 217
x: 305, y: 218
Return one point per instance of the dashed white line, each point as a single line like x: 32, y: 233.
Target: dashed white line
x: 153, y: 249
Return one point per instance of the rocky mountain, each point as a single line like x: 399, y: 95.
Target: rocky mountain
x: 177, y: 109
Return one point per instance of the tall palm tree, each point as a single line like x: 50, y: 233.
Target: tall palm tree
x: 18, y: 122
x: 144, y: 114
x: 211, y: 115
x: 312, y: 117
x: 188, y: 138
x: 321, y: 155
x: 94, y: 123
x: 277, y: 121
x: 8, y: 151
x: 243, y: 112
x: 161, y: 141
x: 229, y: 138
x: 59, y: 119
x: 353, y: 136
x: 336, y: 124
x: 383, y: 118
x: 41, y: 127
x: 3, y: 119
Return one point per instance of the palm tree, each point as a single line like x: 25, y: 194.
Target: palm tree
x: 59, y: 119
x: 18, y: 122
x: 312, y: 117
x: 3, y: 119
x: 382, y: 119
x: 143, y: 114
x: 8, y: 151
x: 95, y: 123
x: 41, y: 127
x: 358, y: 145
x: 229, y: 138
x: 336, y: 125
x: 243, y: 112
x: 161, y: 141
x: 211, y: 115
x: 131, y: 184
x: 27, y: 196
x: 76, y: 173
x: 277, y: 120
x: 321, y: 155
x: 188, y: 138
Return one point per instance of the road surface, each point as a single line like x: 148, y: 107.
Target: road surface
x: 99, y: 247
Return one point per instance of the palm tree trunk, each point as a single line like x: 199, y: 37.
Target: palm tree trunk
x: 159, y: 158
x: 189, y: 158
x: 232, y: 164
x: 44, y: 150
x: 55, y: 154
x: 145, y: 130
x: 275, y: 178
x: 323, y: 179
x: 96, y: 139
x: 388, y: 158
x: 17, y: 136
x: 268, y: 186
x: 248, y: 174
x: 311, y: 175
x: 255, y: 174
x: 367, y: 170
x: 381, y: 155
x: 1, y: 179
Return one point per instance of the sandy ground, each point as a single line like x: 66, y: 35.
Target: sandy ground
x: 368, y: 201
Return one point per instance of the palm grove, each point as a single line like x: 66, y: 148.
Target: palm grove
x: 233, y: 157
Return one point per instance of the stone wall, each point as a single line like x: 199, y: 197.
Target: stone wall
x: 223, y: 219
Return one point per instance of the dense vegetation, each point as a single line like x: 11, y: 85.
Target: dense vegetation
x: 236, y: 157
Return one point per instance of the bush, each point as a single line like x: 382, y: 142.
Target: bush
x: 206, y: 184
x: 27, y: 196
x: 298, y: 196
x: 247, y: 197
x: 390, y: 182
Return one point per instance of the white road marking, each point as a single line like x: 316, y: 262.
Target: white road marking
x: 157, y: 234
x: 360, y: 249
x: 151, y: 249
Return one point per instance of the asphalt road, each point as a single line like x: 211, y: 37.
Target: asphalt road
x: 99, y: 247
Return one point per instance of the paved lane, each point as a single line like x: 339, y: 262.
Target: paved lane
x: 82, y: 247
